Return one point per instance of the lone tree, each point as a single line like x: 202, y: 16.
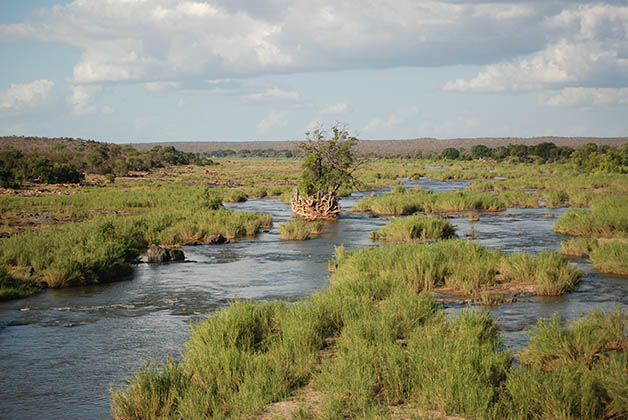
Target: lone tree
x: 328, y: 165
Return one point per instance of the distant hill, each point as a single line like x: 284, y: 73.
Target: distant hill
x: 374, y: 147
x: 391, y: 147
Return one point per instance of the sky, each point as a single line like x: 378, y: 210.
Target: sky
x: 236, y: 70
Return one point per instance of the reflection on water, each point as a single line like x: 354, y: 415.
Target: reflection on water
x: 61, y: 350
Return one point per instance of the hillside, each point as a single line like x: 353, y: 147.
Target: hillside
x: 391, y: 147
x: 375, y: 147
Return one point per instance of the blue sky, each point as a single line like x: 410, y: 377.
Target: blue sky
x: 155, y: 70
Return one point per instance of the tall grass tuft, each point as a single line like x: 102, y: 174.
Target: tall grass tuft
x: 554, y: 276
x: 578, y: 247
x: 611, y: 258
x: 295, y: 230
x: 576, y: 372
x: 607, y: 218
x: 417, y: 227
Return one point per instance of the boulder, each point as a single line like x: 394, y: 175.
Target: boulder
x: 159, y: 255
x: 216, y: 240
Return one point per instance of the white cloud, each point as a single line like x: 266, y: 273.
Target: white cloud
x: 160, y: 86
x: 82, y: 97
x: 589, y: 49
x: 393, y: 120
x: 273, y: 94
x: 27, y: 94
x: 580, y: 96
x: 176, y: 40
x: 273, y: 119
x: 340, y: 108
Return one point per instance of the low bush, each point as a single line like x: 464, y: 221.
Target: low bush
x: 295, y: 230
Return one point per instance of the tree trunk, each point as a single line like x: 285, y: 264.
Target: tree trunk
x: 314, y: 207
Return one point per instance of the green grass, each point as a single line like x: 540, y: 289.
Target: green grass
x: 607, y: 218
x: 573, y: 372
x: 366, y: 353
x: 611, y: 258
x: 299, y: 230
x: 103, y: 249
x: 578, y: 247
x: 14, y: 287
x: 417, y: 227
x: 411, y: 201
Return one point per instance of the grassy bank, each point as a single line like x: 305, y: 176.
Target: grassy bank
x: 377, y: 349
x: 606, y: 218
x: 103, y: 249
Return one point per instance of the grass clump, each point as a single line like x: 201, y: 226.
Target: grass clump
x: 299, y: 230
x: 611, y: 258
x: 573, y: 372
x: 16, y: 288
x: 411, y: 201
x: 417, y: 227
x: 458, y: 264
x: 549, y: 271
x: 578, y: 247
x: 607, y: 218
x: 554, y: 198
x: 234, y: 196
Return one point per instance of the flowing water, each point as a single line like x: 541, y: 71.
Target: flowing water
x: 62, y: 350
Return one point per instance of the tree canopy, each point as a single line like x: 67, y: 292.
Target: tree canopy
x: 329, y: 161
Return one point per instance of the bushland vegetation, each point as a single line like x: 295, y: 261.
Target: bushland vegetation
x: 67, y: 161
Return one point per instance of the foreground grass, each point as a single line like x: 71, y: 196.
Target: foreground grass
x: 374, y: 345
x: 417, y: 227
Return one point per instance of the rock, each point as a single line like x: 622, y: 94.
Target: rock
x: 176, y: 255
x: 159, y: 255
x: 216, y: 240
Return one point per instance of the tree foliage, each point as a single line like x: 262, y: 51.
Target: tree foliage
x: 329, y: 161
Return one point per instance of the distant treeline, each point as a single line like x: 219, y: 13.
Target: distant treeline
x: 69, y: 161
x: 284, y: 153
x: 589, y: 157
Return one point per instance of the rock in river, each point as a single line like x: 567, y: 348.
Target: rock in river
x: 157, y: 254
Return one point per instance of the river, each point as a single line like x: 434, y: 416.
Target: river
x: 62, y: 350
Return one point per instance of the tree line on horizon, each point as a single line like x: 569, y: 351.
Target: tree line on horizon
x: 68, y: 163
x: 587, y: 158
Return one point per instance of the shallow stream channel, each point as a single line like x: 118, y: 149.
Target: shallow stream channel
x: 62, y: 350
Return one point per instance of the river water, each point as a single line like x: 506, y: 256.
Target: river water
x: 62, y: 350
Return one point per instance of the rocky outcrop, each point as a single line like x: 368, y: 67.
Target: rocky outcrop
x: 159, y: 255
